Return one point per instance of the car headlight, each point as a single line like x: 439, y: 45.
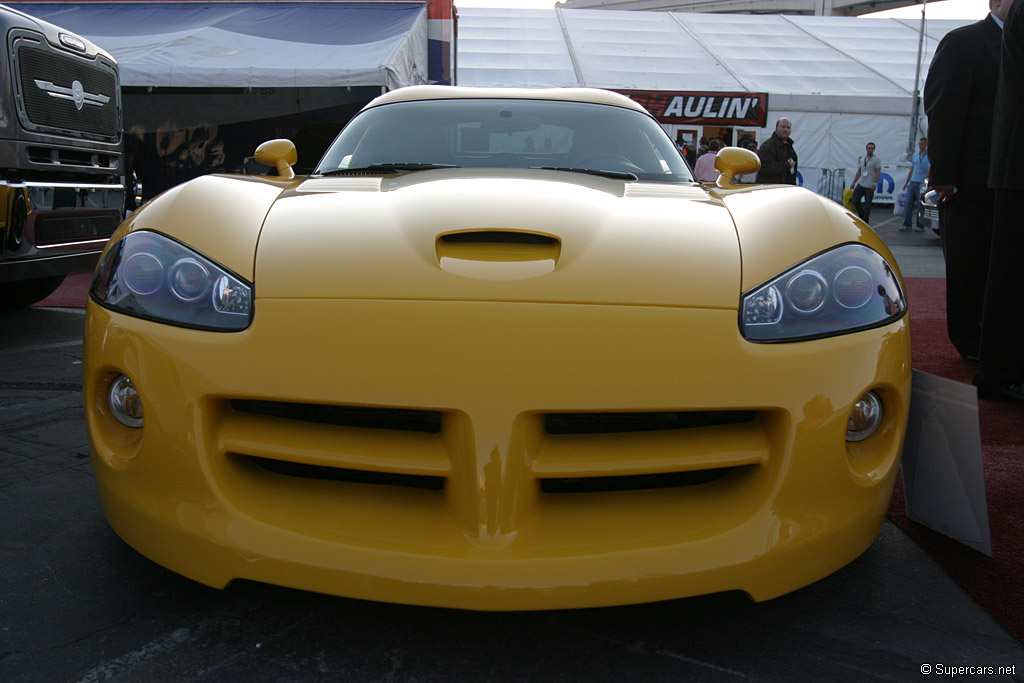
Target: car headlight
x: 845, y: 289
x: 148, y: 275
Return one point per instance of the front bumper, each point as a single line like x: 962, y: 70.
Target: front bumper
x: 55, y: 228
x: 765, y: 503
x: 50, y: 265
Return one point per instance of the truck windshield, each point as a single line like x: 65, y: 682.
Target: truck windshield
x: 507, y: 133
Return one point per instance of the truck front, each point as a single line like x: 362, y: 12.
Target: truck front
x: 62, y: 188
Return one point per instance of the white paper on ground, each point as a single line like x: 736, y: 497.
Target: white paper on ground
x: 943, y: 478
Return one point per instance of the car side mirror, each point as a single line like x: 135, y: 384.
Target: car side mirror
x: 734, y: 161
x: 280, y: 154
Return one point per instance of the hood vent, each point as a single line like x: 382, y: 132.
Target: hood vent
x: 498, y: 237
x: 498, y: 254
x: 357, y: 184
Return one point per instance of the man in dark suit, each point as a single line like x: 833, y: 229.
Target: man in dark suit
x: 959, y: 97
x: 1001, y: 363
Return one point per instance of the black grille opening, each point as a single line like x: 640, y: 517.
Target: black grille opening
x: 610, y: 423
x: 41, y: 155
x: 428, y: 421
x: 74, y: 227
x: 323, y: 473
x: 69, y: 157
x: 635, y: 482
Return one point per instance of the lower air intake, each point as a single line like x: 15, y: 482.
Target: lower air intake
x: 634, y: 482
x: 608, y: 423
x: 322, y: 473
x: 428, y: 421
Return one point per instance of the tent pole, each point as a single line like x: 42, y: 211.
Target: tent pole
x: 915, y: 117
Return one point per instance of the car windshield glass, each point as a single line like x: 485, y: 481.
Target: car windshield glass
x: 506, y: 133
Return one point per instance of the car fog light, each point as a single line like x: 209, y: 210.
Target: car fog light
x: 865, y: 417
x: 125, y: 403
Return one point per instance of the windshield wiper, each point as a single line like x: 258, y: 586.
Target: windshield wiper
x: 391, y: 167
x: 617, y: 175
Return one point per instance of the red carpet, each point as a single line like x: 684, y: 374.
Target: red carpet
x: 994, y: 582
x: 72, y: 293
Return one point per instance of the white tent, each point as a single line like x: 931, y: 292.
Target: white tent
x: 843, y: 81
x: 253, y: 44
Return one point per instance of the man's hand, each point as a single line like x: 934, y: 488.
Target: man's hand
x: 945, y: 191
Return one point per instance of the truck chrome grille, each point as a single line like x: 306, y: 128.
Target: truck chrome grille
x: 52, y: 108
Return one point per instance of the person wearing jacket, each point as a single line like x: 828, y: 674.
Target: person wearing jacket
x: 778, y: 158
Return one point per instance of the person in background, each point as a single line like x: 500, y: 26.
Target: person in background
x: 778, y: 158
x: 747, y: 178
x: 690, y: 154
x: 705, y: 170
x: 917, y: 174
x: 959, y: 99
x: 1001, y: 354
x: 869, y: 170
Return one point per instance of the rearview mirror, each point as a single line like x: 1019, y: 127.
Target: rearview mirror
x: 734, y: 161
x: 280, y: 154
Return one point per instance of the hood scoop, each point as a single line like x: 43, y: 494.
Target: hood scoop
x: 343, y: 184
x: 497, y: 254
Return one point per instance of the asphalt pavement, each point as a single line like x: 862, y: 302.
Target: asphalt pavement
x: 77, y: 604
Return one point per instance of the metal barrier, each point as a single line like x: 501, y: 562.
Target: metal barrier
x: 831, y: 183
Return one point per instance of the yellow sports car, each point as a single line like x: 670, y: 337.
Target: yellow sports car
x: 499, y: 351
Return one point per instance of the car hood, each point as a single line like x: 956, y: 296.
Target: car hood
x: 535, y: 236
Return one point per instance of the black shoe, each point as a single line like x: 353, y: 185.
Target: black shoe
x: 971, y: 358
x: 1013, y: 393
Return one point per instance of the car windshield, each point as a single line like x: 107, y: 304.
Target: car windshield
x: 509, y: 134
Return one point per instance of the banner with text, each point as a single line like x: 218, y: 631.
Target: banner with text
x: 708, y: 108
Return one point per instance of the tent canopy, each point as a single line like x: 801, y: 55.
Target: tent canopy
x: 843, y: 81
x: 257, y: 44
x: 805, y: 63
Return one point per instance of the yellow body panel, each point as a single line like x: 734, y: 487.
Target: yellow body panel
x: 455, y: 351
x: 385, y: 240
x: 799, y: 503
x: 212, y: 214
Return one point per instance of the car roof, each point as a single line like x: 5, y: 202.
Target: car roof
x: 451, y: 92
